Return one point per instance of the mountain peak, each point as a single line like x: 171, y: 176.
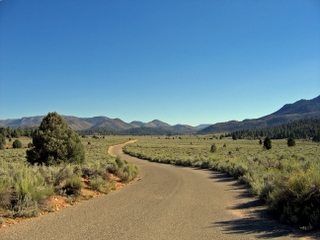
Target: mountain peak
x: 157, y: 123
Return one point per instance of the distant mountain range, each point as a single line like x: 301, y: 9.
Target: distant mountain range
x: 109, y: 125
x: 289, y: 112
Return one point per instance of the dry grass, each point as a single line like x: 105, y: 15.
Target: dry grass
x: 28, y: 191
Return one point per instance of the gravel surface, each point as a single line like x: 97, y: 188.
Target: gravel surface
x: 166, y: 202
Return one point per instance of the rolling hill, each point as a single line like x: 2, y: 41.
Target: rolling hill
x: 155, y: 127
x: 289, y: 112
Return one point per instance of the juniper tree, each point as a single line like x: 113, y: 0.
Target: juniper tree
x: 55, y: 142
x: 267, y: 143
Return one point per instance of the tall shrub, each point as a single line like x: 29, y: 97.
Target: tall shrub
x: 267, y: 143
x: 55, y: 142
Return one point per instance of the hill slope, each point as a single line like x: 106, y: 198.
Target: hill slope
x: 289, y: 112
x: 106, y: 125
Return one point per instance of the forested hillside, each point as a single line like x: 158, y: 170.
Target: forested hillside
x: 289, y: 112
x: 308, y: 128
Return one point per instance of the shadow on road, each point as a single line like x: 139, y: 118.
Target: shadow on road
x: 258, y: 221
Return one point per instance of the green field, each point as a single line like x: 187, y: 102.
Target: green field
x: 286, y: 178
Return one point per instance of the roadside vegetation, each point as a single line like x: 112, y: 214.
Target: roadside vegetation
x: 28, y: 185
x: 284, y: 173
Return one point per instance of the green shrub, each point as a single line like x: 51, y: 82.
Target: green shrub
x: 17, y: 144
x: 64, y: 172
x: 97, y: 183
x: 28, y: 190
x: 119, y: 162
x: 128, y: 172
x: 267, y: 143
x: 297, y: 200
x: 291, y: 142
x: 72, y: 186
x: 213, y: 148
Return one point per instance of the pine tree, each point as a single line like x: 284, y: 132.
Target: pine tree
x: 55, y: 142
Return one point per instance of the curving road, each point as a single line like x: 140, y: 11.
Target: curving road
x: 167, y: 202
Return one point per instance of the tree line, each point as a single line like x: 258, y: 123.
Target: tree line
x: 308, y: 128
x: 9, y: 133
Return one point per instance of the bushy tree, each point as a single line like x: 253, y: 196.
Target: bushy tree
x: 267, y: 143
x: 55, y: 142
x: 291, y: 142
x: 17, y: 144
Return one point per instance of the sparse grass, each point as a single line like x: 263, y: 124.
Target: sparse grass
x: 25, y: 188
x: 286, y: 178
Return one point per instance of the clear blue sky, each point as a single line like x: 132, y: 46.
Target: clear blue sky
x: 182, y: 61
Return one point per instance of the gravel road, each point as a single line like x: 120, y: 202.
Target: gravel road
x: 166, y: 202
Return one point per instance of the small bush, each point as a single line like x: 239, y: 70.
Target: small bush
x: 119, y: 162
x: 97, y: 183
x: 213, y: 148
x: 72, y: 186
x: 129, y: 172
x: 17, y: 144
x: 291, y: 142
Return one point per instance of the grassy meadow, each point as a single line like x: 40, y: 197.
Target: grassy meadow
x: 286, y: 178
x: 25, y: 189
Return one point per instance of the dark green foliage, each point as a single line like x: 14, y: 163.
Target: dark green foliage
x: 299, y: 129
x: 316, y: 138
x: 55, y: 142
x: 267, y: 143
x: 17, y: 144
x: 2, y: 141
x: 16, y: 133
x: 213, y: 148
x: 291, y: 142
